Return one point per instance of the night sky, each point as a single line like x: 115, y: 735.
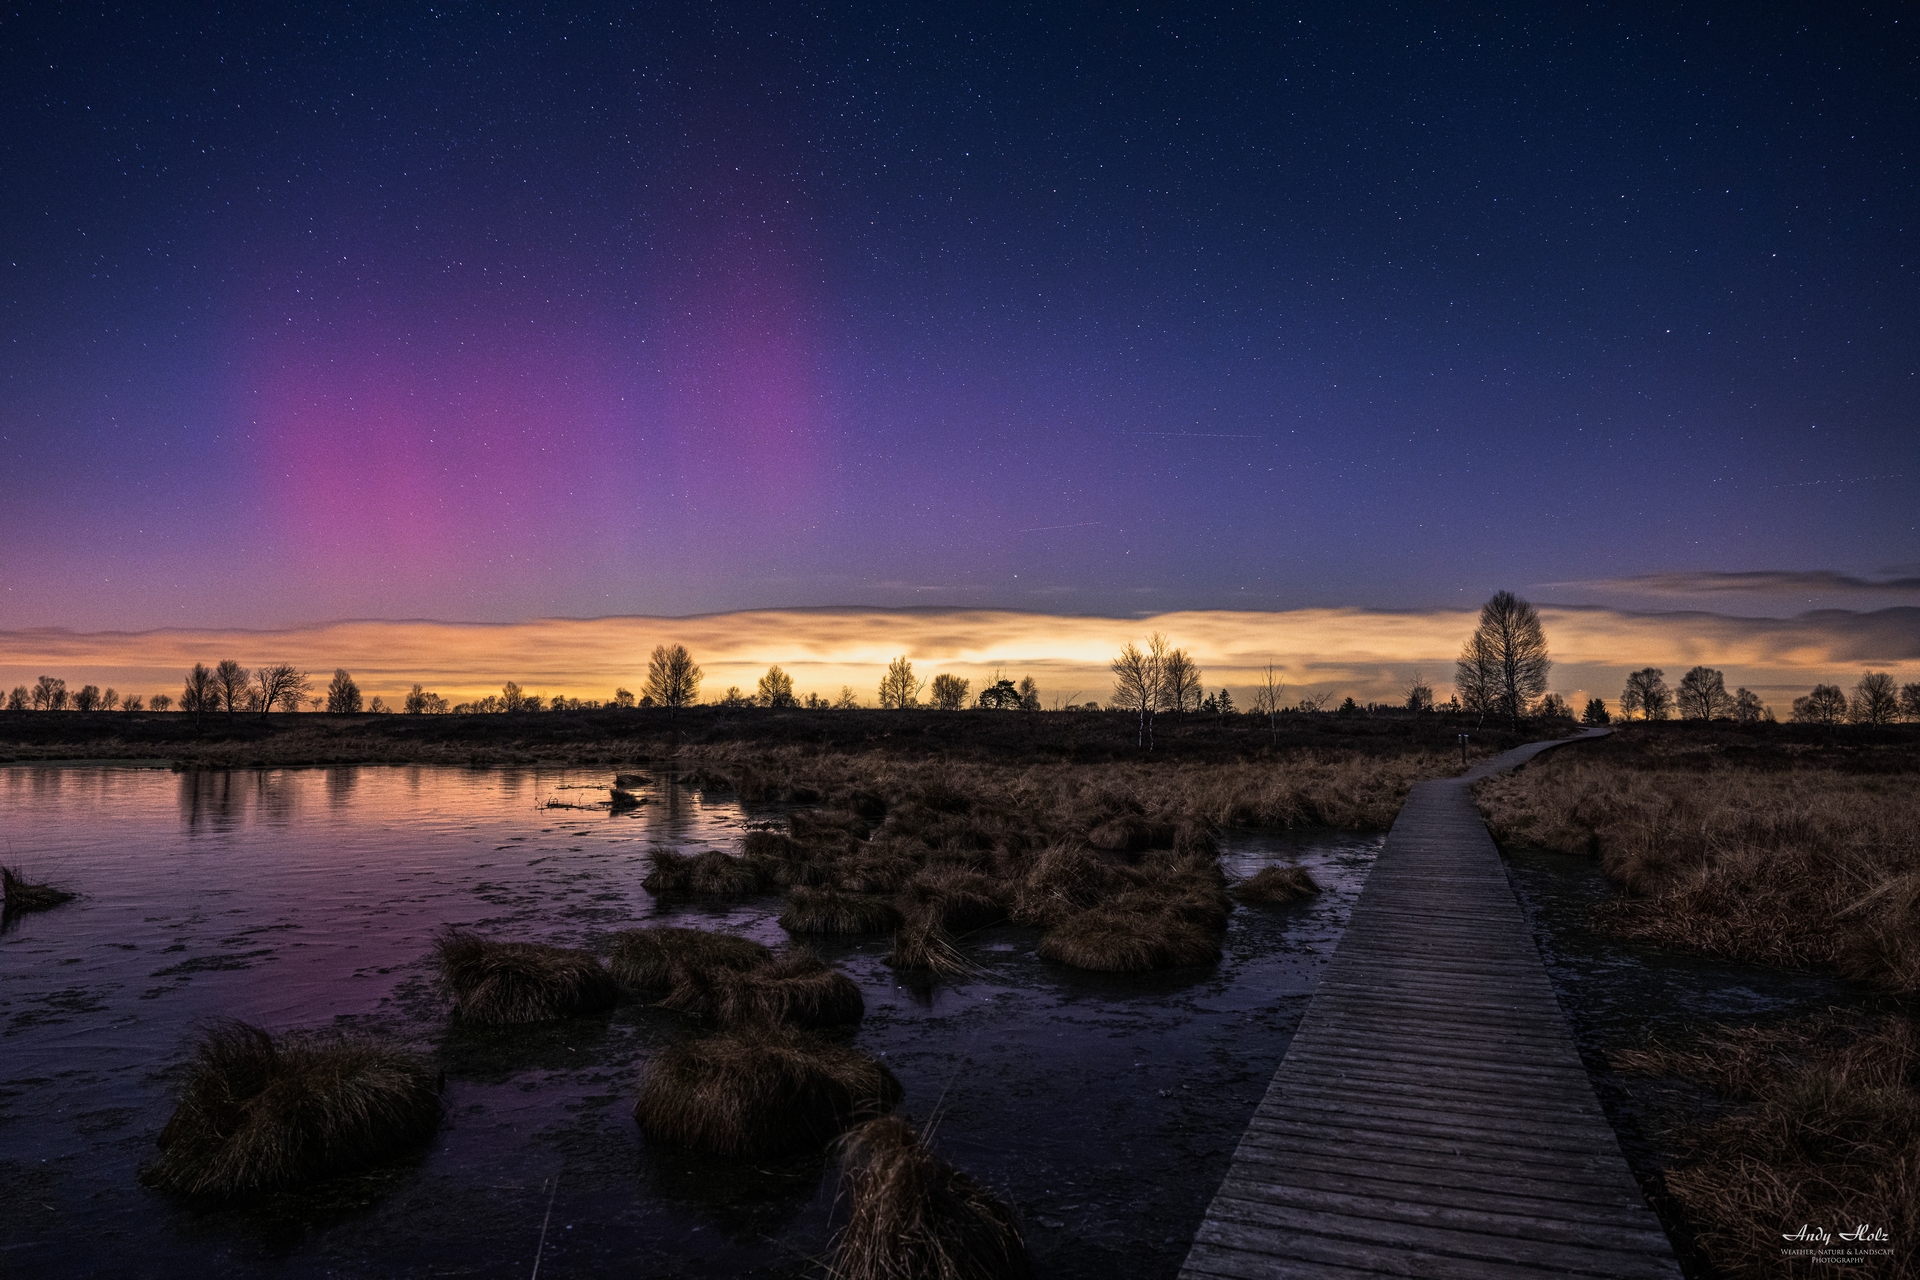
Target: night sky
x: 390, y: 311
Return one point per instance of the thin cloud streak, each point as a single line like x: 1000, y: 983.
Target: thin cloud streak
x: 1367, y: 654
x: 1751, y: 582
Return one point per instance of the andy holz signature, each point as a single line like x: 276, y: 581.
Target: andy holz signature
x: 1820, y: 1234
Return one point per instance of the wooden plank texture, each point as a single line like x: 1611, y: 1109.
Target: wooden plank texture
x: 1432, y: 1116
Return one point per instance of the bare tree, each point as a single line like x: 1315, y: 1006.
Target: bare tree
x: 160, y: 702
x: 1875, y: 699
x: 280, y: 685
x: 110, y: 699
x: 1267, y: 696
x: 424, y: 702
x: 343, y: 695
x: 1418, y: 693
x: 1029, y: 692
x: 673, y: 678
x: 623, y: 699
x: 49, y: 694
x: 1826, y: 704
x: 898, y: 688
x: 848, y: 699
x: 132, y: 702
x: 198, y: 695
x: 1909, y: 701
x: 88, y: 699
x: 513, y: 698
x: 1180, y: 682
x: 949, y: 692
x: 1747, y: 708
x: 1647, y: 693
x: 1703, y: 695
x: 776, y: 689
x: 1135, y: 685
x: 19, y: 699
x: 1505, y: 660
x: 230, y: 684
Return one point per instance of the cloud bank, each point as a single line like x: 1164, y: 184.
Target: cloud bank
x: 1367, y: 654
x: 1762, y: 582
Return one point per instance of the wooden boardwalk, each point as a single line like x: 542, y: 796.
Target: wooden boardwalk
x: 1432, y: 1117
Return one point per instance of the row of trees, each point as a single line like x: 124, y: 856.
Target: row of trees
x: 1702, y: 695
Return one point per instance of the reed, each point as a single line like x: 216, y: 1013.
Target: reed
x: 1825, y: 1129
x: 911, y: 1214
x: 258, y: 1114
x: 759, y: 1091
x: 501, y: 983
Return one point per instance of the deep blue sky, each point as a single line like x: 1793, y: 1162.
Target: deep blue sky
x: 392, y: 311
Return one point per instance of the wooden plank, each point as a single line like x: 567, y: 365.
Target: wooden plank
x: 1432, y: 1117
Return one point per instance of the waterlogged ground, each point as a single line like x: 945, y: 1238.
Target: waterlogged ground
x: 1618, y: 993
x: 1105, y: 1107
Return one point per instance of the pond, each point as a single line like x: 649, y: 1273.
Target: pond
x: 1104, y: 1107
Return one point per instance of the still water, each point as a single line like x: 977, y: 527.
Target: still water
x: 1105, y: 1107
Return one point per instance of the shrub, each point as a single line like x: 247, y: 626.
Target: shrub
x: 508, y: 982
x: 912, y: 1214
x: 257, y: 1114
x: 759, y: 1091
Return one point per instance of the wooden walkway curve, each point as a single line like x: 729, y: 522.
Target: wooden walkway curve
x: 1432, y: 1117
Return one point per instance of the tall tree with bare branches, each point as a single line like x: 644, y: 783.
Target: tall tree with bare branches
x: 1505, y: 663
x: 673, y: 678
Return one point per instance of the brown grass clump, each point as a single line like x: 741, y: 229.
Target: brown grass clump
x: 759, y: 1091
x: 648, y: 959
x: 21, y: 896
x: 1276, y: 885
x: 1064, y: 881
x: 914, y: 1215
x: 1116, y: 941
x: 794, y: 988
x: 924, y: 943
x: 508, y: 982
x: 256, y: 1114
x: 960, y: 900
x: 824, y: 910
x: 1782, y: 859
x: 1827, y: 1131
x: 711, y: 873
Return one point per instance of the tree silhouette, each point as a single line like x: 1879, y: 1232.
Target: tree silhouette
x: 898, y: 688
x: 49, y: 694
x: 1596, y: 712
x: 673, y: 678
x: 1909, y: 701
x: 88, y: 698
x: 1703, y: 695
x: 230, y: 684
x: 1001, y: 695
x: 949, y: 692
x: 343, y: 695
x: 1875, y: 700
x: 1504, y: 665
x: 1647, y: 693
x: 19, y: 699
x: 160, y: 702
x: 280, y: 685
x: 1826, y: 704
x: 776, y: 689
x: 1180, y: 682
x: 198, y: 695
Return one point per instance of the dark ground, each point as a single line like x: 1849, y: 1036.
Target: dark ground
x: 615, y: 737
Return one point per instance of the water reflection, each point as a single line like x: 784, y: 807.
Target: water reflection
x: 209, y: 801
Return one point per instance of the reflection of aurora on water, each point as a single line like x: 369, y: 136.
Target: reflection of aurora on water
x: 1368, y: 654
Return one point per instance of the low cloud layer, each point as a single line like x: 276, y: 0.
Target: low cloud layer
x: 1369, y: 655
x: 1760, y: 582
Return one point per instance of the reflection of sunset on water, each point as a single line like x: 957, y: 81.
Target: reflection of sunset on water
x: 1366, y: 654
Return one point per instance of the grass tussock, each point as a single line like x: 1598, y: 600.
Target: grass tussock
x: 20, y: 895
x: 652, y: 959
x: 1786, y: 858
x: 910, y: 1214
x: 759, y: 1091
x: 1277, y: 886
x: 501, y: 983
x: 828, y: 910
x: 712, y: 873
x: 1825, y: 1130
x: 258, y: 1114
x: 794, y: 988
x: 1120, y: 941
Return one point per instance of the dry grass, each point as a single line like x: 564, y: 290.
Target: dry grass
x: 256, y: 1114
x: 1827, y: 1133
x: 19, y: 895
x: 795, y: 988
x: 650, y: 959
x: 1774, y: 861
x: 1276, y: 885
x: 712, y: 873
x: 507, y: 982
x: 912, y: 1216
x: 826, y: 910
x: 1119, y: 941
x: 759, y: 1091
